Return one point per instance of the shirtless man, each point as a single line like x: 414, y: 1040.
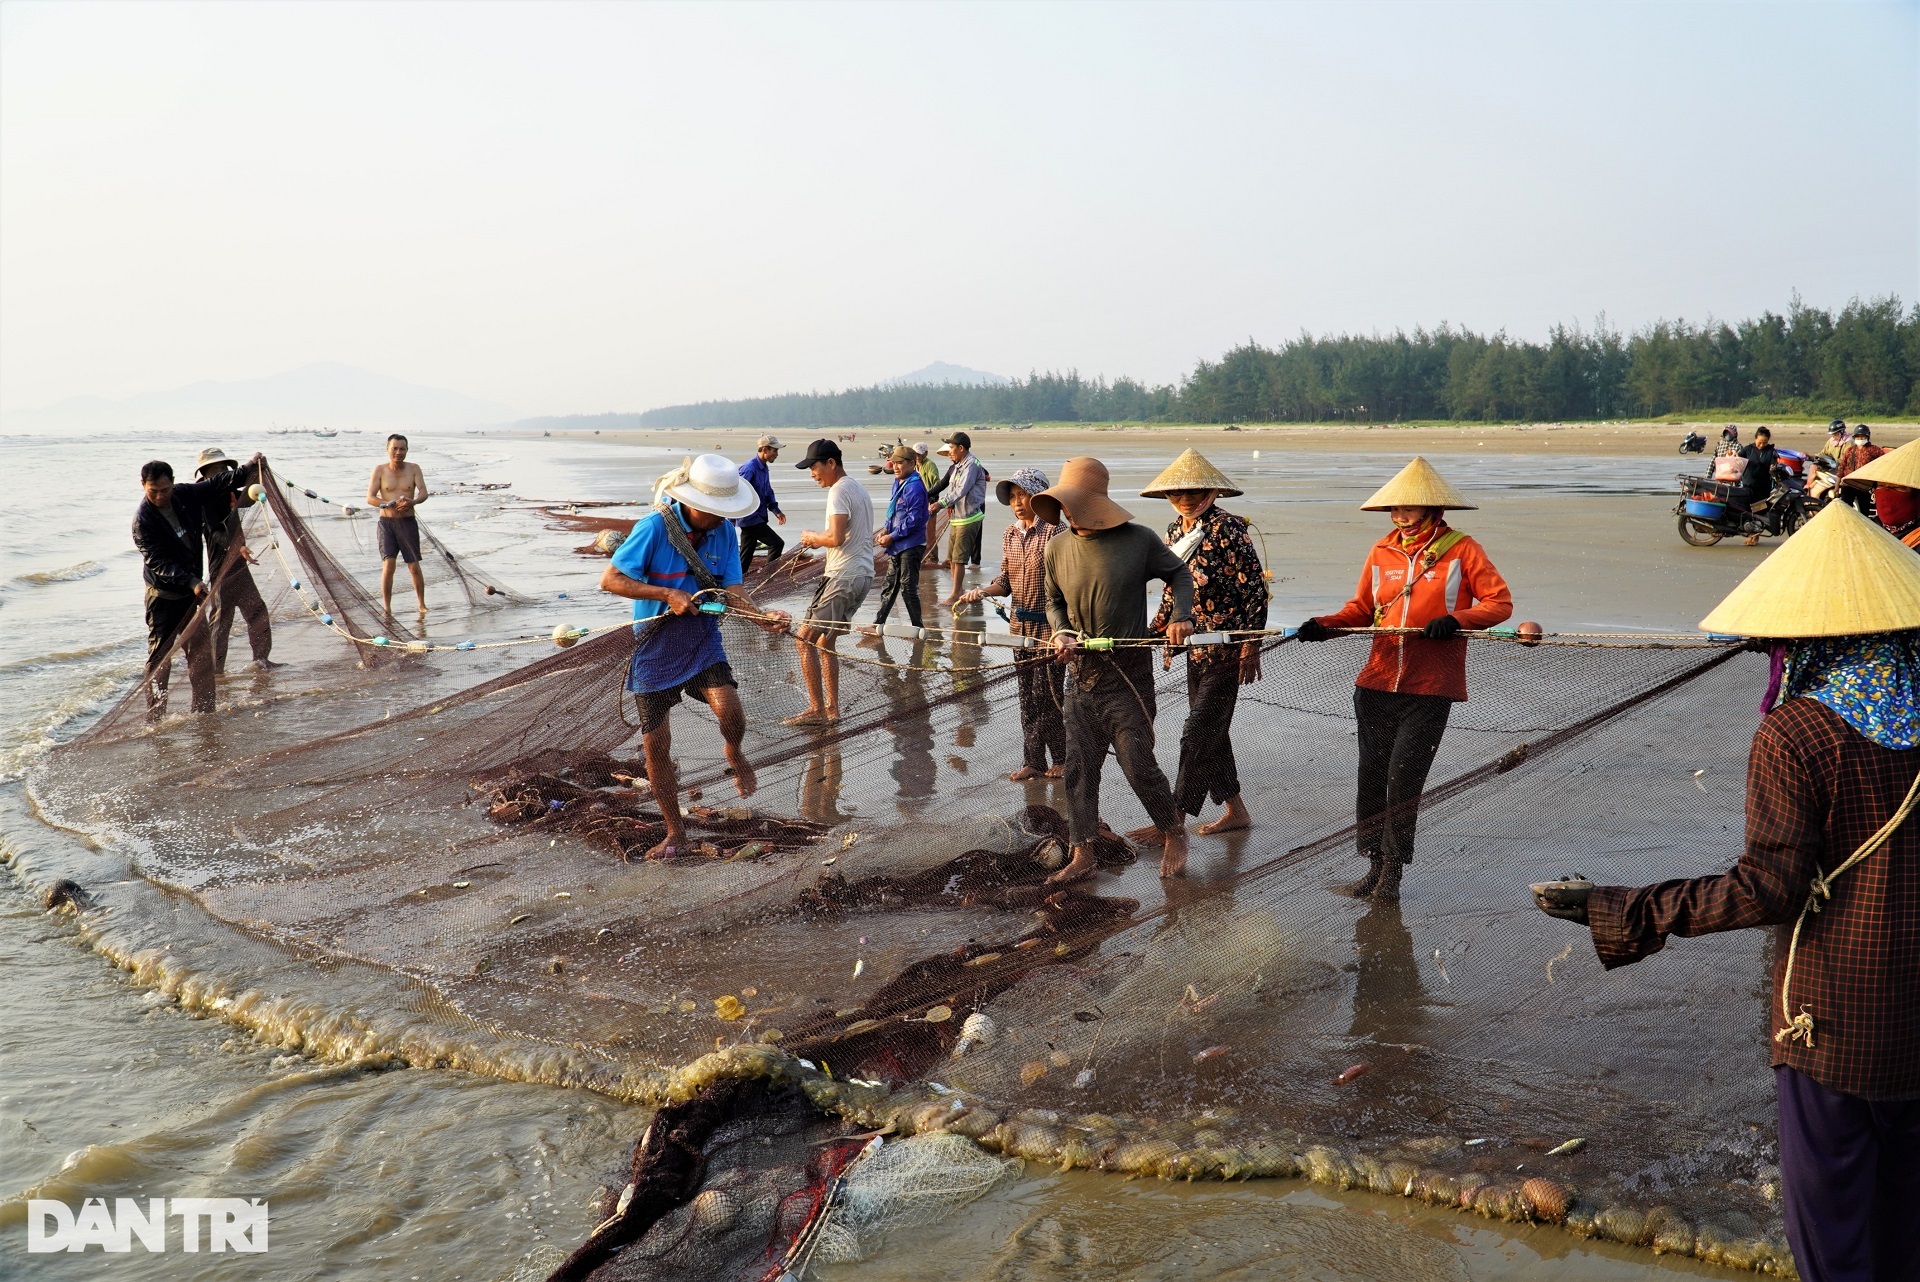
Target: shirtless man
x: 396, y: 488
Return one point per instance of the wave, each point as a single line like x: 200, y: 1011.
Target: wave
x: 68, y: 574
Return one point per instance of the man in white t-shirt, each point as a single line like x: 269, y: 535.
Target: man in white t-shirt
x: 848, y: 540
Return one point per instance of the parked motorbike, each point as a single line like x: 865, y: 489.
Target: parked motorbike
x: 1823, y: 482
x: 1708, y: 514
x: 1693, y: 443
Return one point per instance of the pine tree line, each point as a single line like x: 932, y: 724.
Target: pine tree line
x: 1865, y: 360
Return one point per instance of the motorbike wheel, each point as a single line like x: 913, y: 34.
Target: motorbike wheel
x: 1698, y: 533
x: 1791, y: 522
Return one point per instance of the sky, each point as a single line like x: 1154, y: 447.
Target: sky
x: 585, y: 208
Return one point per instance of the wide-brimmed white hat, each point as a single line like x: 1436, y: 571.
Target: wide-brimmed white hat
x: 709, y: 484
x: 212, y: 456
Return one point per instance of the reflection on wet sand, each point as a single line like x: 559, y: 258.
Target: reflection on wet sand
x: 820, y: 787
x: 908, y: 721
x: 1389, y: 997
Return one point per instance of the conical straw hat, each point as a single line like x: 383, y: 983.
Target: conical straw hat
x: 1417, y: 485
x: 1895, y: 467
x: 1191, y: 471
x: 1840, y: 576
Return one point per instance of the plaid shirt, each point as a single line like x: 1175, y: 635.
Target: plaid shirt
x: 1229, y: 587
x: 1023, y: 573
x: 1816, y: 790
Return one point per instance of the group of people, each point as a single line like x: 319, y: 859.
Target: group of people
x: 1075, y: 569
x: 195, y: 562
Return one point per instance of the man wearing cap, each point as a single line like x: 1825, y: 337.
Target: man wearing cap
x: 904, y: 536
x: 169, y: 532
x: 1427, y: 579
x: 754, y: 530
x: 1229, y: 595
x: 684, y: 551
x: 929, y: 470
x: 1858, y: 452
x: 395, y: 489
x: 1097, y: 580
x: 846, y: 579
x: 1832, y: 862
x: 1023, y: 579
x: 965, y: 490
x: 228, y: 557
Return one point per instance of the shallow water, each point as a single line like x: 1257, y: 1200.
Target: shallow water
x: 441, y: 1174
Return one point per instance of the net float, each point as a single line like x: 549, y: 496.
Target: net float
x: 1530, y: 633
x: 565, y: 634
x: 255, y: 493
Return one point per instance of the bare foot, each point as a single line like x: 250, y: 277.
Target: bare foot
x: 810, y: 717
x: 1236, y: 819
x: 672, y: 848
x: 1023, y: 774
x: 1081, y: 865
x: 745, y: 781
x: 1056, y: 772
x: 1147, y: 836
x: 1173, y: 859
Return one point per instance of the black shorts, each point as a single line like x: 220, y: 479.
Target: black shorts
x: 656, y: 704
x: 400, y: 537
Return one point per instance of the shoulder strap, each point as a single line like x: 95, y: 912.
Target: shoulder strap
x: 1428, y: 559
x: 677, y: 537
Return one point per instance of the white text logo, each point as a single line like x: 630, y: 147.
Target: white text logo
x: 230, y: 1224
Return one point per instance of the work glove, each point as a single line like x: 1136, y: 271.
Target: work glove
x: 1441, y: 629
x: 1566, y: 900
x: 1313, y: 630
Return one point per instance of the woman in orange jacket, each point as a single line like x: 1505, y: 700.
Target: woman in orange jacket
x: 1422, y: 575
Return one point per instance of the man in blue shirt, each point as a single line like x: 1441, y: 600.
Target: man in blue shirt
x: 904, y: 536
x: 677, y: 649
x: 754, y: 530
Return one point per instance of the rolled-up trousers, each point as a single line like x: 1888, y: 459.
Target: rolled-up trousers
x: 903, y: 580
x: 1207, y: 767
x: 169, y: 620
x: 1850, y: 1171
x: 239, y: 592
x: 1110, y: 705
x: 1042, y: 695
x: 1399, y: 735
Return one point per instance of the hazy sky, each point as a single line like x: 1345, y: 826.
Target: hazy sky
x: 609, y: 206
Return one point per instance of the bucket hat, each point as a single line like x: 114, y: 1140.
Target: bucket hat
x: 1191, y: 471
x: 1082, y: 494
x: 709, y: 484
x: 1030, y: 479
x: 1840, y: 576
x: 1895, y: 467
x: 212, y: 456
x: 1417, y: 485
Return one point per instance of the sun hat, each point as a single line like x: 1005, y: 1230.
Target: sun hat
x: 820, y: 451
x: 1082, y: 494
x: 768, y: 443
x: 1895, y: 467
x: 211, y: 456
x: 709, y: 484
x: 1030, y: 479
x: 1417, y: 485
x: 1840, y: 576
x: 902, y: 454
x: 1191, y: 471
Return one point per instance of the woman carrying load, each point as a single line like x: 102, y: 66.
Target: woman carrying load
x: 1833, y: 863
x: 1229, y: 595
x: 1430, y: 578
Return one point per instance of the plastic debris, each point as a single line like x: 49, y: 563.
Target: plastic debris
x: 728, y: 1007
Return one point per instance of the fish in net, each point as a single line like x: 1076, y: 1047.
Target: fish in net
x: 876, y: 944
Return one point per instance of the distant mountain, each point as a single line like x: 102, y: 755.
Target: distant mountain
x: 322, y: 395
x: 941, y: 374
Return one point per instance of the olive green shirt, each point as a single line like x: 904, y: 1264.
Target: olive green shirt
x: 1097, y: 583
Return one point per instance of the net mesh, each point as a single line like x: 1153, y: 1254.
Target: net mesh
x: 875, y: 933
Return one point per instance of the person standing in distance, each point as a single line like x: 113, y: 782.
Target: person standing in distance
x: 395, y: 489
x: 754, y: 530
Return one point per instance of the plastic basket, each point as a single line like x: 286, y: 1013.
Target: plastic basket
x: 1705, y: 509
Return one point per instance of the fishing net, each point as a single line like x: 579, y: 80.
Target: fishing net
x: 872, y: 946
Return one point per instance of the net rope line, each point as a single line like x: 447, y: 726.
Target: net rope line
x: 1800, y: 1027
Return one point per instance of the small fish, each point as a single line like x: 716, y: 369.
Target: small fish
x: 461, y: 885
x: 1211, y: 1052
x: 859, y: 965
x: 1571, y: 1146
x: 517, y: 920
x: 564, y: 894
x: 983, y: 959
x: 1477, y: 1143
x: 830, y: 861
x: 1696, y: 780
x: 1083, y: 1079
x: 1353, y: 1072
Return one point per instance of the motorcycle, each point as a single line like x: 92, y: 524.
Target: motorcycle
x: 1707, y: 512
x: 1693, y: 443
x: 1823, y: 486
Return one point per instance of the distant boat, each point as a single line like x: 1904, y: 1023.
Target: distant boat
x: 325, y: 432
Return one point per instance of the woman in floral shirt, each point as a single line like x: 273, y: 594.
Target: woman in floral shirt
x: 1229, y: 595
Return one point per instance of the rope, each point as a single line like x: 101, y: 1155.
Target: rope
x: 1800, y: 1027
